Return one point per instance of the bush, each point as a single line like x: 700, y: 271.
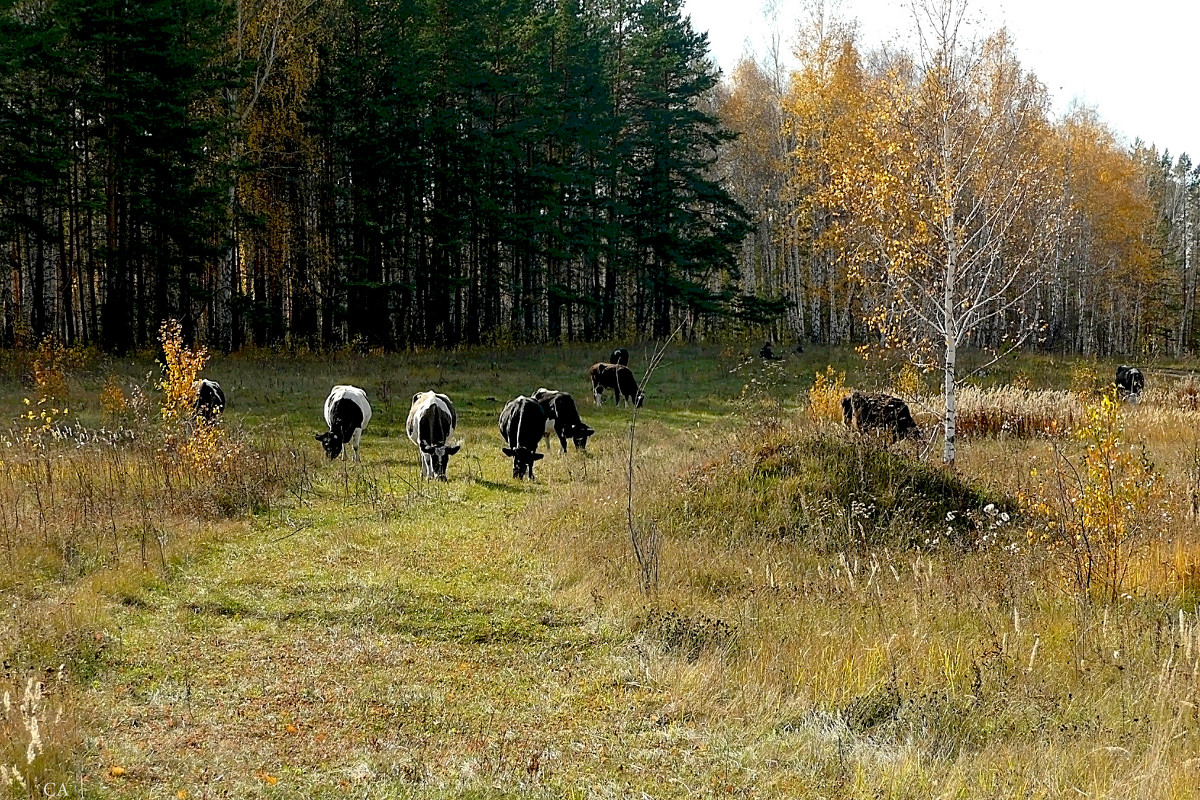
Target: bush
x: 1101, y: 510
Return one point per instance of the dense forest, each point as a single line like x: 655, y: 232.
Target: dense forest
x: 435, y: 172
x: 330, y: 171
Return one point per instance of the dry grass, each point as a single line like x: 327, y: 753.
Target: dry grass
x: 831, y: 617
x: 1012, y: 411
x: 874, y: 663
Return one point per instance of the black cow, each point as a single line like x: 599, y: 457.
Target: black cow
x: 1130, y: 381
x: 865, y: 412
x: 522, y: 424
x: 347, y: 412
x: 430, y: 424
x: 766, y: 354
x: 617, y: 377
x: 619, y: 356
x: 210, y: 400
x: 562, y: 417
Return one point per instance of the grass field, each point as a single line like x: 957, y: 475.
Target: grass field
x: 828, y: 616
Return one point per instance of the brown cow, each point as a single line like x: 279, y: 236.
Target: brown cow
x: 865, y: 412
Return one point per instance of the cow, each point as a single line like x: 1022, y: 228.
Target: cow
x: 562, y: 418
x: 619, y: 356
x: 1130, y: 381
x: 209, y: 402
x: 766, y: 354
x: 431, y: 421
x: 865, y: 412
x: 347, y: 412
x: 617, y: 377
x: 522, y: 425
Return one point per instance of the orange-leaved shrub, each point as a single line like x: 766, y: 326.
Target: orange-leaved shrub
x: 1100, y: 509
x: 825, y: 396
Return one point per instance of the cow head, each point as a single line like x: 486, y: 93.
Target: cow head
x: 906, y: 428
x: 847, y: 411
x: 439, y: 457
x: 523, y: 459
x: 580, y: 434
x: 332, y: 444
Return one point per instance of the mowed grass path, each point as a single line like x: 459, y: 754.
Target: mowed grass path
x: 383, y: 636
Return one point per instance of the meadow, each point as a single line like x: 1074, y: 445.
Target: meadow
x: 808, y: 612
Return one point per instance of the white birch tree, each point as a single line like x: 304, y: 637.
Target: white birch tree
x: 955, y: 197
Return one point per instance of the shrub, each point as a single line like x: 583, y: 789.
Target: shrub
x: 1100, y: 510
x: 181, y: 369
x: 113, y: 401
x: 825, y: 396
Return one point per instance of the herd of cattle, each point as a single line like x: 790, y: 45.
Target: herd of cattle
x: 526, y: 420
x: 523, y: 422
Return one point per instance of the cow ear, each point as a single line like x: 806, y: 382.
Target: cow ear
x: 452, y: 450
x: 508, y: 452
x: 537, y: 456
x: 320, y: 437
x: 588, y: 431
x: 415, y: 396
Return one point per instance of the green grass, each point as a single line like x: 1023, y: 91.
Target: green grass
x: 356, y: 631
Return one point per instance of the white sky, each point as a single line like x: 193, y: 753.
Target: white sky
x: 1136, y: 63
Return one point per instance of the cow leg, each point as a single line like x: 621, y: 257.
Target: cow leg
x: 598, y: 393
x: 563, y: 440
x: 355, y: 439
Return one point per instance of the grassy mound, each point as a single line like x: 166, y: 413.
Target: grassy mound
x: 837, y: 491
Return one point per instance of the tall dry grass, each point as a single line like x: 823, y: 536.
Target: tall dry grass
x: 867, y: 651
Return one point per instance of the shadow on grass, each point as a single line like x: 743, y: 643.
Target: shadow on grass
x: 500, y: 487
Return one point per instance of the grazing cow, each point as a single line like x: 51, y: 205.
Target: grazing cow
x: 210, y: 400
x: 522, y: 424
x: 562, y: 418
x: 864, y: 412
x: 1130, y: 381
x: 619, y: 356
x: 765, y: 353
x: 431, y: 421
x: 347, y: 412
x: 617, y: 377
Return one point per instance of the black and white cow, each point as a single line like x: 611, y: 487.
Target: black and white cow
x: 866, y: 412
x: 431, y: 421
x: 1130, y: 381
x: 617, y: 377
x: 562, y: 418
x: 522, y: 424
x: 210, y: 400
x: 347, y: 412
x: 619, y: 356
